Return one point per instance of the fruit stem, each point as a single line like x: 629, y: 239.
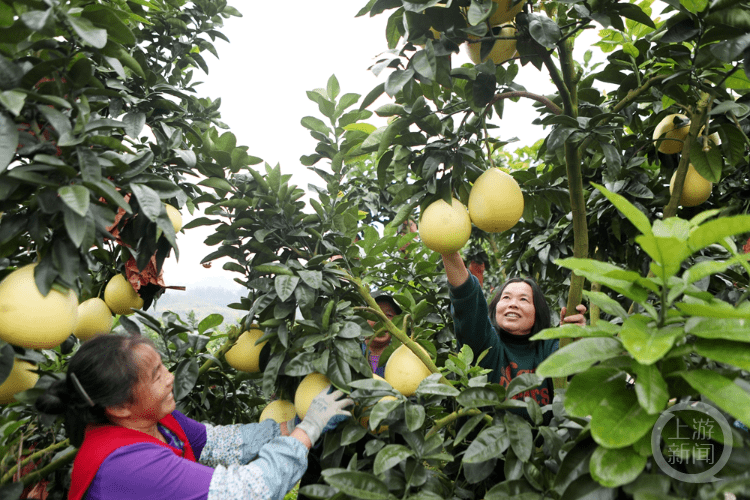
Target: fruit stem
x: 554, y: 108
x: 31, y: 458
x: 466, y: 412
x: 234, y: 333
x: 393, y: 329
x: 696, y: 122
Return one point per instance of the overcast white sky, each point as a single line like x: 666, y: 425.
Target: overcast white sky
x: 275, y: 55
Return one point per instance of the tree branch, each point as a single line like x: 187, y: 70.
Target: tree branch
x: 530, y: 95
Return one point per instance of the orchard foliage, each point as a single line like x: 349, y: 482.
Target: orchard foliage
x: 98, y: 103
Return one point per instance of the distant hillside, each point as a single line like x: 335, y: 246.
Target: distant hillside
x: 204, y: 300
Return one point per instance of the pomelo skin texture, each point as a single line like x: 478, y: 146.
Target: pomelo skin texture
x: 94, y: 317
x: 404, y: 370
x: 279, y: 411
x: 306, y: 391
x: 505, y: 12
x: 29, y: 319
x: 495, y: 201
x: 244, y: 354
x: 121, y: 297
x: 695, y: 190
x: 673, y: 137
x: 445, y: 228
x: 502, y: 50
x: 21, y: 378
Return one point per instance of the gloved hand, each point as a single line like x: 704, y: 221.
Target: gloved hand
x: 325, y: 413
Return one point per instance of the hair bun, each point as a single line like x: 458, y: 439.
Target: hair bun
x: 54, y: 401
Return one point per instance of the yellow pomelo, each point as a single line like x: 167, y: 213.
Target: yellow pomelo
x: 376, y: 376
x: 21, y: 378
x: 404, y: 370
x: 696, y: 189
x: 278, y: 411
x: 120, y: 296
x: 244, y: 354
x: 445, y: 228
x: 366, y: 419
x: 501, y: 51
x: 306, y: 391
x: 174, y: 216
x: 29, y: 319
x: 94, y: 317
x: 505, y: 12
x: 674, y: 137
x: 495, y: 201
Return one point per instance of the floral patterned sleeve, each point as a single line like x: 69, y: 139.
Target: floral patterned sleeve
x: 236, y: 444
x: 279, y: 465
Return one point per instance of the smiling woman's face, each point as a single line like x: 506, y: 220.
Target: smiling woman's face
x: 515, y: 312
x: 153, y: 396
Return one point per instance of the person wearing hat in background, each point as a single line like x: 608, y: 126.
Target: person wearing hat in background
x: 374, y: 346
x: 120, y: 411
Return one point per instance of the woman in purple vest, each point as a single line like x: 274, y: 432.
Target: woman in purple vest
x: 120, y: 412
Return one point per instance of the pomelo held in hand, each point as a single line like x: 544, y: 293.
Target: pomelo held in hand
x: 445, y: 228
x: 278, y: 411
x: 121, y: 297
x: 30, y: 319
x: 405, y: 371
x: 21, y: 378
x: 94, y: 317
x: 695, y: 190
x: 495, y: 201
x: 244, y: 354
x: 306, y: 391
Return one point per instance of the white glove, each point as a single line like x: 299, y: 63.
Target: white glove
x: 325, y: 413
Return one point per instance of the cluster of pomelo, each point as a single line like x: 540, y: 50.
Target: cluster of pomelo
x: 31, y: 320
x: 670, y: 134
x: 495, y: 205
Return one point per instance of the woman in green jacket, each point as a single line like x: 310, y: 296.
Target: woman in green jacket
x: 517, y: 312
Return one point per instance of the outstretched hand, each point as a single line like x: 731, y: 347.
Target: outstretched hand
x: 574, y: 319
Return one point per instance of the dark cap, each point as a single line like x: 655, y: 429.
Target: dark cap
x: 381, y: 296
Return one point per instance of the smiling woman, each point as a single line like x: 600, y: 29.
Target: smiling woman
x: 120, y: 412
x: 516, y: 313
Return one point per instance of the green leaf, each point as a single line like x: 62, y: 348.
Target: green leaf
x: 716, y: 230
x: 725, y: 351
x: 720, y: 310
x: 579, y: 356
x: 489, y: 444
x: 727, y: 395
x: 707, y: 268
x: 476, y: 397
x: 522, y: 383
x: 638, y: 218
x: 89, y: 33
x: 415, y: 415
x: 13, y: 100
x: 574, y: 464
x: 650, y: 388
x: 667, y: 253
x: 75, y: 226
x: 316, y: 125
x: 519, y: 433
x: 350, y: 330
x: 606, y: 304
x: 644, y: 341
x: 148, y: 200
x: 358, y: 484
x: 76, y: 197
x: 107, y: 18
x: 333, y: 88
x: 600, y: 329
x: 544, y: 30
x: 587, y: 390
x: 611, y: 276
x: 210, y: 321
x: 390, y: 456
x: 314, y: 279
x: 707, y: 163
x: 217, y: 183
x: 518, y: 489
x: 285, y: 285
x: 694, y: 6
x: 620, y: 421
x: 613, y: 468
x: 185, y: 376
x: 8, y: 140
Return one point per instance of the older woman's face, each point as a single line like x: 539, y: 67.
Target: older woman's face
x: 515, y: 312
x: 153, y: 396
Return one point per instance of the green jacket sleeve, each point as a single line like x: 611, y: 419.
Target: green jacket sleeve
x: 472, y: 324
